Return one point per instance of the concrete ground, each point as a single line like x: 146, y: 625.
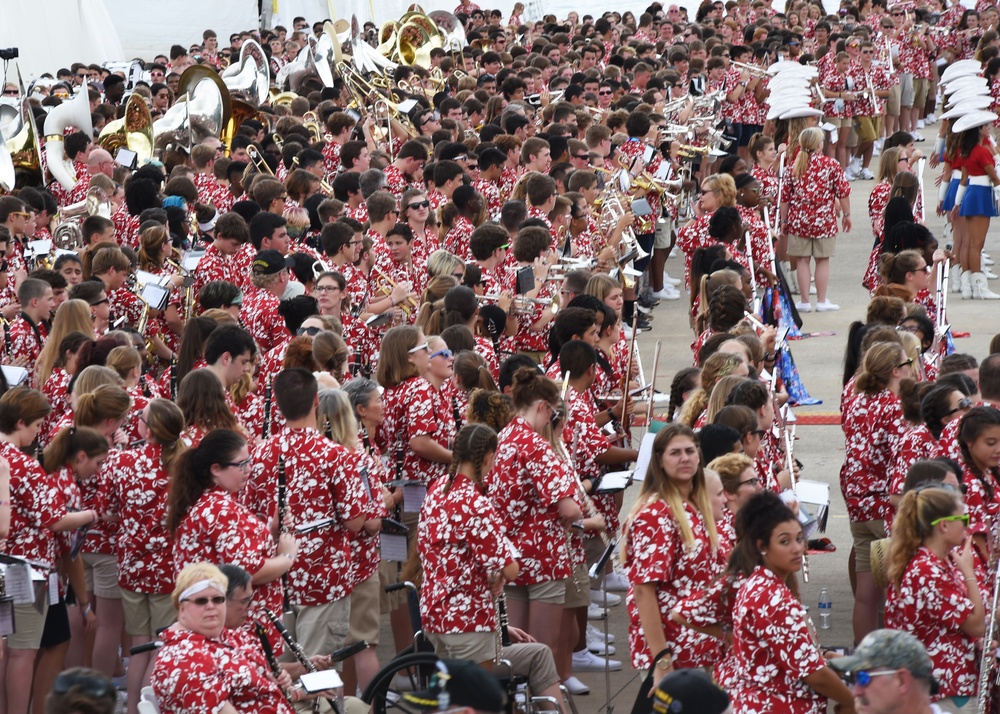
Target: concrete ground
x: 819, y: 448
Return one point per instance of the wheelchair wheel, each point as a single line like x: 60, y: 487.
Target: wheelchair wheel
x: 416, y: 668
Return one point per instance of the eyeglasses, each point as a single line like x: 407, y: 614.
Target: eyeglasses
x: 442, y: 353
x: 311, y: 331
x: 965, y: 403
x: 203, y: 601
x: 243, y: 465
x: 751, y: 481
x: 962, y: 517
x: 81, y: 76
x: 23, y: 214
x: 422, y: 346
x: 92, y: 686
x: 863, y: 678
x: 907, y: 363
x: 325, y: 289
x: 419, y: 204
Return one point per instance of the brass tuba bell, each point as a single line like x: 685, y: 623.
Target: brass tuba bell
x: 134, y: 131
x: 251, y: 74
x: 75, y: 112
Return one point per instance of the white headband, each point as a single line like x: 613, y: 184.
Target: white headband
x: 200, y: 586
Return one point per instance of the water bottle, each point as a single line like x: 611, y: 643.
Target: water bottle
x: 825, y: 609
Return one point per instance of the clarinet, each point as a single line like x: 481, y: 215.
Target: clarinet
x: 299, y: 654
x: 268, y: 396
x: 282, y: 512
x: 458, y: 414
x: 173, y: 378
x: 272, y: 662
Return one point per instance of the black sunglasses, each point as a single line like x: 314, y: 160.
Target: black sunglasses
x: 311, y: 331
x: 964, y: 403
x: 419, y: 204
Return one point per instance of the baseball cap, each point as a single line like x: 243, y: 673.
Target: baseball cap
x: 887, y: 649
x: 689, y: 691
x: 460, y: 683
x: 270, y: 261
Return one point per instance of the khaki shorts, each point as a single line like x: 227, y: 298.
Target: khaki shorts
x: 101, y: 573
x: 842, y: 122
x: 799, y: 247
x: 866, y: 130
x: 664, y: 232
x: 864, y: 534
x: 145, y: 614
x: 364, y: 618
x: 474, y: 646
x: 906, y: 90
x: 321, y: 629
x: 29, y: 624
x: 892, y: 101
x: 578, y: 588
x: 552, y: 592
x: 919, y: 92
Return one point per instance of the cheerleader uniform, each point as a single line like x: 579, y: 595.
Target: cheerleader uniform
x: 978, y: 199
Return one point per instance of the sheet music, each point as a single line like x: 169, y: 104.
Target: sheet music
x: 645, y: 456
x: 17, y: 584
x: 394, y: 547
x: 413, y: 496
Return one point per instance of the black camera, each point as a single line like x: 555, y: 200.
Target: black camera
x: 9, y: 53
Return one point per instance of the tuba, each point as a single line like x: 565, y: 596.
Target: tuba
x: 251, y: 74
x: 134, y: 131
x: 68, y: 235
x: 75, y: 112
x: 203, y: 110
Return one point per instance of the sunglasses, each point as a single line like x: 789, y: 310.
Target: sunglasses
x: 604, y: 94
x: 707, y: 190
x: 311, y: 331
x: 964, y: 518
x: 419, y: 204
x: 907, y: 363
x: 10, y: 92
x: 582, y: 157
x: 965, y: 403
x: 23, y: 214
x: 863, y: 678
x: 421, y: 346
x: 203, y: 601
x: 442, y: 353
x: 100, y: 302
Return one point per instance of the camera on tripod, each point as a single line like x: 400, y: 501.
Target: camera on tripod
x: 9, y: 53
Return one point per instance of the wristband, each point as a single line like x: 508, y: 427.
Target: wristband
x: 942, y: 190
x: 939, y: 148
x: 959, y: 195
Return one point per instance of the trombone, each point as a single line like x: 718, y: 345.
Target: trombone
x: 253, y: 153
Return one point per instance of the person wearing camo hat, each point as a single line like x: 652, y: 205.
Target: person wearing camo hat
x: 890, y: 672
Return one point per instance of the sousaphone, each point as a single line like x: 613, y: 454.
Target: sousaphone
x: 134, y: 131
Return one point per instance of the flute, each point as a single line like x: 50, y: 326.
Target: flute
x: 282, y: 512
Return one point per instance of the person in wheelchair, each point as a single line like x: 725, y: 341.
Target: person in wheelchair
x: 460, y: 687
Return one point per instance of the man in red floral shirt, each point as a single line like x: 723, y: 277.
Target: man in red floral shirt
x: 406, y: 169
x: 269, y: 278
x: 220, y: 261
x: 209, y: 188
x: 28, y: 331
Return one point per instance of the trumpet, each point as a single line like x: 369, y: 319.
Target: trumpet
x: 535, y: 100
x: 751, y: 68
x: 689, y: 152
x: 523, y: 305
x: 384, y: 286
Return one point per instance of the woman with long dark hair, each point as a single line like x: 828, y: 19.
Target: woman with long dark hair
x: 978, y: 435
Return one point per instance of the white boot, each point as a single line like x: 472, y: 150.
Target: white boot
x: 956, y: 278
x: 980, y: 290
x: 966, y: 284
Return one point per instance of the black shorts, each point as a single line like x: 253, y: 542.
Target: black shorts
x: 56, y: 630
x: 747, y: 132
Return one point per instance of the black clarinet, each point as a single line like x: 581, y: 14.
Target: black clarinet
x: 366, y: 440
x: 504, y: 621
x: 173, y: 379
x: 457, y: 412
x: 272, y: 662
x: 282, y: 511
x: 296, y: 649
x: 268, y: 397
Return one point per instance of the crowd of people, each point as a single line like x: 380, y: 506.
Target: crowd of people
x: 265, y: 373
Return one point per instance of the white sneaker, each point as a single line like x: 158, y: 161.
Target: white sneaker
x: 803, y: 307
x: 596, y: 612
x: 600, y: 647
x: 598, y: 596
x: 931, y: 119
x: 575, y: 687
x: 667, y: 293
x: 866, y: 174
x: 920, y: 124
x: 587, y: 661
x: 595, y: 633
x: 849, y: 174
x: 855, y: 163
x: 672, y: 281
x: 826, y: 306
x: 616, y: 582
x: 627, y: 331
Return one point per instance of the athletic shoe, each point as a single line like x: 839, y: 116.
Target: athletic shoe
x: 812, y: 289
x: 587, y: 661
x: 575, y: 687
x: 647, y: 300
x: 921, y: 124
x: 667, y: 294
x: 826, y: 306
x: 645, y: 324
x: 849, y: 174
x: 596, y: 612
x: 595, y: 633
x: 598, y: 597
x: 866, y: 174
x: 616, y: 582
x: 672, y: 281
x: 930, y: 119
x: 803, y: 307
x: 598, y: 647
x: 917, y: 137
x: 627, y: 331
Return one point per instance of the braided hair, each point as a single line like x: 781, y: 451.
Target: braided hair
x: 472, y: 445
